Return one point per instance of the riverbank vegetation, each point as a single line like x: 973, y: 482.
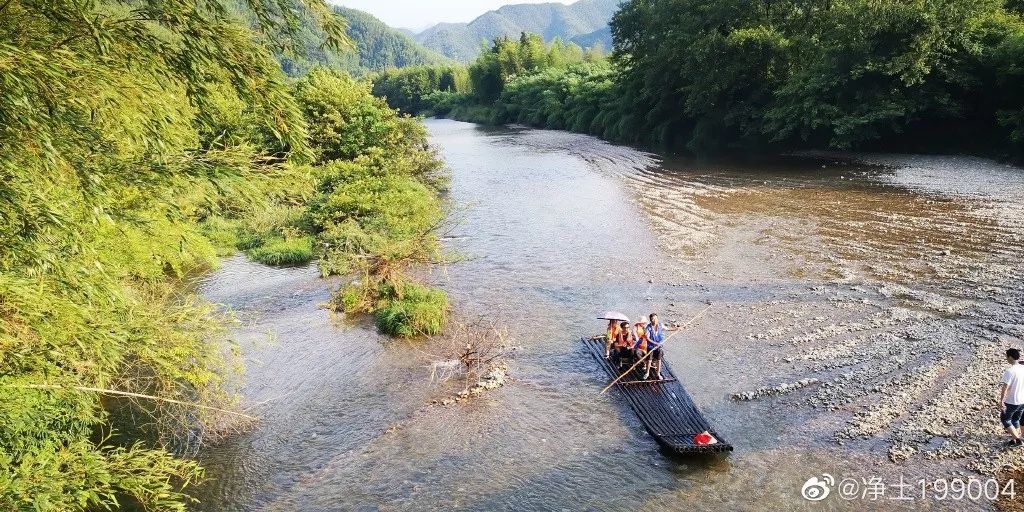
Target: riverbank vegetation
x: 411, y: 88
x: 375, y: 208
x: 747, y: 76
x: 138, y: 142
x: 477, y: 92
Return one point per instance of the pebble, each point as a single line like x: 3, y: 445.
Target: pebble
x: 495, y: 377
x: 776, y: 390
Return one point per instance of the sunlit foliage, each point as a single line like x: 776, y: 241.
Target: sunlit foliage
x: 472, y: 92
x: 376, y: 208
x: 122, y: 126
x: 509, y: 58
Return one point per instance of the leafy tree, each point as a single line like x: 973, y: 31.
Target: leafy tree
x: 571, y: 98
x: 509, y: 58
x: 756, y: 75
x: 122, y: 124
x: 345, y: 121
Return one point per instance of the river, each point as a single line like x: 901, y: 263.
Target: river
x: 894, y: 281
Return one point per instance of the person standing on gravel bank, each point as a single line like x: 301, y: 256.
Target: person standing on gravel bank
x: 1011, y: 397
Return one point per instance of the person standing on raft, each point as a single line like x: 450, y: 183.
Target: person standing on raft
x: 655, y: 339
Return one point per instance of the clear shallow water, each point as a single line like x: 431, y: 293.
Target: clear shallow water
x: 556, y: 227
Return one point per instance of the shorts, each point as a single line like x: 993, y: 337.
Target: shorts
x: 656, y: 356
x: 1012, y: 415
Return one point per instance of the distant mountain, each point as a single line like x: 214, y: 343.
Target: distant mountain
x: 378, y: 47
x: 585, y: 20
x: 602, y: 36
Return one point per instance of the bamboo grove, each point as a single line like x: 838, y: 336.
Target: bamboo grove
x: 139, y: 141
x: 738, y: 76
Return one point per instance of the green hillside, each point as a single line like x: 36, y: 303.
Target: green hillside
x: 378, y: 47
x: 585, y: 19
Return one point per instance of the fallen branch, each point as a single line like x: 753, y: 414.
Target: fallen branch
x: 475, y: 352
x: 115, y: 392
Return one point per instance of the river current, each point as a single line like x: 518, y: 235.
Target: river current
x: 861, y: 305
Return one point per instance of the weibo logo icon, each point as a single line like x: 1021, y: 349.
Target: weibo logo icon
x: 816, y: 489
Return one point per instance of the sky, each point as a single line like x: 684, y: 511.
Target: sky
x: 420, y: 14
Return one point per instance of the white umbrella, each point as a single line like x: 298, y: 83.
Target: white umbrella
x: 613, y: 315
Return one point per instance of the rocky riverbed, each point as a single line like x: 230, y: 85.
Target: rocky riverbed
x: 911, y: 289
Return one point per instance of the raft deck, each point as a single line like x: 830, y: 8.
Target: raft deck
x: 664, y: 407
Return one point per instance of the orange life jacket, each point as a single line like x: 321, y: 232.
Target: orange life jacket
x: 623, y: 339
x: 613, y: 333
x: 641, y: 336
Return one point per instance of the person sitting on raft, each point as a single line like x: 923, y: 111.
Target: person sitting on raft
x: 641, y: 346
x: 622, y: 349
x: 611, y: 335
x: 655, y: 340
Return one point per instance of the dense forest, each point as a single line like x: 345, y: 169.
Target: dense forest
x: 743, y: 75
x: 478, y: 92
x: 139, y: 141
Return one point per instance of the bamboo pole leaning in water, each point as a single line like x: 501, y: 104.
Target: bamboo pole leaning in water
x: 115, y: 392
x: 649, y: 352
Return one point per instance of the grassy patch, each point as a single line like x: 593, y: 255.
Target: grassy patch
x: 410, y: 309
x: 222, y: 233
x: 281, y: 252
x: 406, y: 309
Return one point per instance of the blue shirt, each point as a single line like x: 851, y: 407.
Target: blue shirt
x: 656, y: 335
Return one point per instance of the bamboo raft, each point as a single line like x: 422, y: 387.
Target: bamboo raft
x: 663, y: 406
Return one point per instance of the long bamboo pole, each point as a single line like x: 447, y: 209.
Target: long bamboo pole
x: 649, y: 352
x: 115, y: 392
